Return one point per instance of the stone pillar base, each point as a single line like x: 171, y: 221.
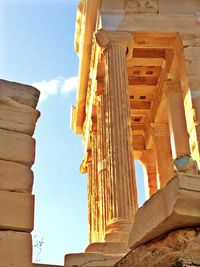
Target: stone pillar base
x: 108, y: 247
x: 173, y: 207
x: 91, y: 259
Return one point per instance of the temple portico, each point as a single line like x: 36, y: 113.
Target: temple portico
x: 138, y: 105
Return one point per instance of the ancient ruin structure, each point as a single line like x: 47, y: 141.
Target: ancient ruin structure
x: 139, y: 99
x: 18, y: 117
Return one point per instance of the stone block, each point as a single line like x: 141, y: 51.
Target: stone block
x: 108, y: 247
x: 17, y: 147
x: 17, y: 211
x: 24, y: 94
x: 192, y: 53
x: 15, y: 249
x: 15, y: 177
x: 17, y: 117
x: 45, y: 265
x: 173, y: 207
x: 91, y: 259
x: 193, y: 67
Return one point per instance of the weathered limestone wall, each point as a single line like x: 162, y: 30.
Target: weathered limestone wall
x: 18, y: 118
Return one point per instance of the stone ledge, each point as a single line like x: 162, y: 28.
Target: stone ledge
x: 173, y: 207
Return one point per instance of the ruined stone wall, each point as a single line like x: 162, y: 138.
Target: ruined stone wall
x: 178, y: 248
x: 18, y: 116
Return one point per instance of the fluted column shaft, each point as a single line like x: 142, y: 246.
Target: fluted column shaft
x: 162, y: 146
x: 102, y: 171
x: 118, y: 136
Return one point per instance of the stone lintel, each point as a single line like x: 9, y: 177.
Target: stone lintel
x: 91, y: 259
x: 173, y: 207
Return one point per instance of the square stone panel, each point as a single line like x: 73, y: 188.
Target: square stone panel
x: 17, y: 211
x: 15, y: 177
x: 17, y: 147
x: 15, y: 249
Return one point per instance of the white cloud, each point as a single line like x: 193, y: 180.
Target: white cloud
x: 55, y: 86
x: 69, y: 85
x: 47, y: 88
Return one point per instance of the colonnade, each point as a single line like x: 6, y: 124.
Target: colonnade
x: 111, y: 175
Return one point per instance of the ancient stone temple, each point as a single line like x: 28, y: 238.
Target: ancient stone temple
x: 138, y: 98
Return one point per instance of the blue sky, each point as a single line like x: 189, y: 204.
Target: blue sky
x: 37, y: 48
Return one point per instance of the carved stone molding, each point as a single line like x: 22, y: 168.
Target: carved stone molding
x: 141, y: 6
x: 105, y: 38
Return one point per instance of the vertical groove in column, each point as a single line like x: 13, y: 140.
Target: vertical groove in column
x: 95, y: 188
x: 120, y: 161
x: 90, y: 201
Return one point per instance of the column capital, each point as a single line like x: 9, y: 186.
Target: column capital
x: 159, y: 129
x: 105, y: 38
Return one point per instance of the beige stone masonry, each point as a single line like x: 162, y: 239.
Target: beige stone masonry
x: 24, y: 94
x: 168, y: 250
x: 15, y: 249
x: 91, y: 260
x: 17, y: 147
x: 45, y: 265
x: 17, y: 211
x: 15, y: 177
x: 175, y: 206
x: 160, y: 23
x: 17, y: 117
x: 108, y: 247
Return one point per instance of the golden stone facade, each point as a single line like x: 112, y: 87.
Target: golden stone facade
x: 138, y: 99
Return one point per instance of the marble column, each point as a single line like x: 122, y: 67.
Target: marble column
x: 102, y: 170
x: 177, y: 122
x: 120, y: 171
x: 149, y: 162
x: 162, y: 147
x: 94, y: 192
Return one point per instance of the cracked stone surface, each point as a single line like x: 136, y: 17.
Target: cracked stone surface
x: 181, y: 245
